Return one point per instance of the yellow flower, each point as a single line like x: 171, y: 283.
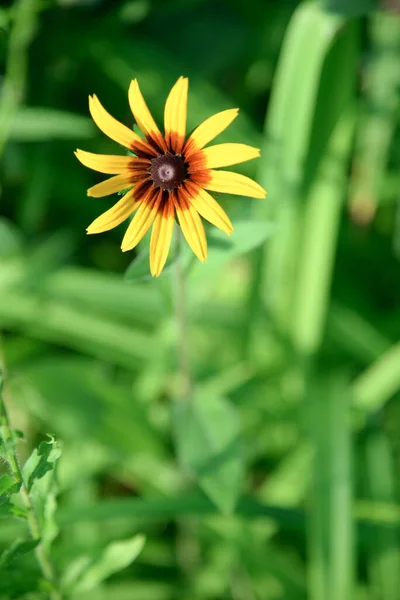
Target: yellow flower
x: 168, y: 173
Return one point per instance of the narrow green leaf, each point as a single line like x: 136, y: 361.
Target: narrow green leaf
x: 284, y: 168
x: 373, y: 388
x: 4, y: 505
x: 41, y: 461
x: 85, y: 574
x: 319, y: 239
x: 10, y: 239
x: 8, y: 509
x: 88, y: 403
x: 105, y: 293
x: 47, y: 256
x: 288, y: 483
x: 355, y: 334
x: 32, y: 124
x: 17, y: 549
x: 194, y: 503
x: 140, y: 266
x: 39, y: 475
x: 75, y: 328
x: 379, y: 115
x: 331, y: 568
x: 7, y: 485
x: 207, y: 434
x: 191, y: 504
x: 4, y: 18
x: 384, y: 548
x: 352, y: 8
x: 247, y: 236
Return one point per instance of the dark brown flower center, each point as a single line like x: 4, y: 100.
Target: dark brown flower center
x: 168, y: 171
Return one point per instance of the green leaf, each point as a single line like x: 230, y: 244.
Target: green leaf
x: 350, y: 9
x: 32, y: 124
x: 247, y: 236
x: 207, y: 435
x: 378, y: 118
x: 41, y: 461
x: 383, y: 550
x: 7, y: 485
x: 4, y: 505
x: 4, y: 18
x: 285, y: 168
x: 189, y: 504
x: 18, y: 548
x: 45, y: 257
x: 331, y: 524
x: 106, y: 294
x: 377, y: 384
x: 140, y: 266
x: 39, y: 475
x: 79, y: 329
x: 8, y: 509
x: 10, y: 239
x: 85, y: 574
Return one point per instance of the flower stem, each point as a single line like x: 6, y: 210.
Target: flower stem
x: 186, y: 386
x: 8, y: 439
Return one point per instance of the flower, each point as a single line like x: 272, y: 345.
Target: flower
x: 168, y: 174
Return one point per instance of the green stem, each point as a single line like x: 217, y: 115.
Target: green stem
x: 11, y: 457
x: 181, y: 321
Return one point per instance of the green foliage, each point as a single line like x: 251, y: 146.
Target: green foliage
x: 16, y: 550
x: 207, y: 431
x: 278, y: 478
x: 40, y: 462
x: 7, y: 485
x: 352, y: 9
x: 85, y: 573
x: 10, y: 239
x: 42, y: 124
x: 139, y: 267
x: 247, y: 236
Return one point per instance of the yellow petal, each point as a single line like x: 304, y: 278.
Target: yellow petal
x: 208, y: 208
x: 114, y: 129
x: 143, y: 116
x: 141, y: 222
x: 110, y: 186
x: 191, y: 226
x: 223, y: 155
x: 103, y: 163
x: 209, y: 129
x: 175, y: 115
x: 116, y: 215
x: 161, y: 236
x: 228, y: 182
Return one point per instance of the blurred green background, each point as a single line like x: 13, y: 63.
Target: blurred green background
x: 279, y: 480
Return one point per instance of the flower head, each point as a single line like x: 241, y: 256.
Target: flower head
x: 168, y: 174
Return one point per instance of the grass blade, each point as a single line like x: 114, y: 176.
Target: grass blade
x: 331, y: 522
x: 287, y: 139
x: 384, y: 549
